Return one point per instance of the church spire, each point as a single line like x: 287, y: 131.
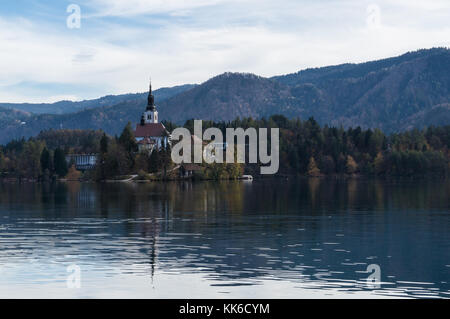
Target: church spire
x: 151, y: 114
x: 151, y: 99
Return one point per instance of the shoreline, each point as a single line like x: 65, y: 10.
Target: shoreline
x: 254, y: 178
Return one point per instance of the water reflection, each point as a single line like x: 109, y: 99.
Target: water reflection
x: 278, y: 238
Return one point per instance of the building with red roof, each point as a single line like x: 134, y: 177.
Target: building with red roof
x: 149, y: 132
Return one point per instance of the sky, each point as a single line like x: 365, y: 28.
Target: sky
x: 46, y: 56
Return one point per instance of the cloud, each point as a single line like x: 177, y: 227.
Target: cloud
x: 139, y: 7
x: 119, y: 45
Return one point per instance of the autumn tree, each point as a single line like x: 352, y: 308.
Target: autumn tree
x: 73, y: 174
x: 351, y: 166
x: 313, y: 170
x: 379, y: 163
x: 234, y: 170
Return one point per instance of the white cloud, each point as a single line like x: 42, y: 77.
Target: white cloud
x: 138, y: 7
x: 263, y: 37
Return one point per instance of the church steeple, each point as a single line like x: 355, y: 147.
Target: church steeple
x: 151, y: 114
x: 151, y: 99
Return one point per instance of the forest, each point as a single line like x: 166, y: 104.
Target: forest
x: 306, y: 149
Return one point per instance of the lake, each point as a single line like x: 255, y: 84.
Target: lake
x: 281, y: 238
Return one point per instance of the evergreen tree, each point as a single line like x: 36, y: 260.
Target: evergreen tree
x: 154, y: 162
x: 2, y: 162
x: 328, y: 166
x: 127, y: 139
x: 59, y: 161
x: 46, y: 162
x: 128, y: 144
x: 165, y: 159
x: 104, y: 144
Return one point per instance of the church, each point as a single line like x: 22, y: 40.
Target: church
x: 149, y: 133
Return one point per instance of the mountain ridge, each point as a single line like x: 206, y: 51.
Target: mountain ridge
x: 67, y: 107
x: 394, y: 94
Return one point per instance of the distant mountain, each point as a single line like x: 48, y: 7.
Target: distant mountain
x: 387, y: 94
x: 228, y: 96
x: 438, y: 115
x: 112, y: 118
x: 10, y: 121
x: 395, y: 94
x: 384, y: 94
x: 66, y: 107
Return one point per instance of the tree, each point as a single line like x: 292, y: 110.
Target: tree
x: 328, y: 165
x: 104, y: 144
x: 80, y: 141
x: 59, y: 161
x: 154, y: 161
x: 217, y: 171
x: 73, y: 174
x: 379, y: 163
x: 235, y: 170
x: 165, y: 158
x: 341, y: 164
x: 46, y: 161
x: 313, y: 170
x: 116, y: 162
x: 29, y: 162
x: 101, y: 171
x: 2, y: 162
x: 351, y: 166
x: 376, y: 142
x: 127, y: 142
x: 141, y: 162
x: 127, y: 139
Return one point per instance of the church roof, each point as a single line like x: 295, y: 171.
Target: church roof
x: 150, y: 130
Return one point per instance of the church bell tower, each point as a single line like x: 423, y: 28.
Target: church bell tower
x: 151, y: 114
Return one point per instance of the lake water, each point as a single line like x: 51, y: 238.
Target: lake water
x: 302, y: 238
